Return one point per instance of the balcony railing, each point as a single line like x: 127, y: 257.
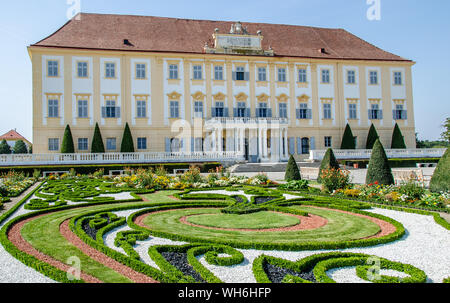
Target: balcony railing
x: 355, y: 154
x: 117, y: 158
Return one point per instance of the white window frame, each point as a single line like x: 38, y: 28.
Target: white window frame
x: 53, y: 144
x: 141, y: 143
x: 302, y: 75
x: 83, y: 108
x: 262, y: 74
x: 53, y: 108
x: 82, y: 69
x: 282, y: 77
x: 218, y: 72
x: 327, y: 111
x: 83, y: 144
x: 174, y: 109
x: 352, y: 111
x: 141, y: 109
x: 110, y: 70
x: 173, y: 71
x: 52, y: 68
x: 109, y: 145
x: 141, y: 71
x: 197, y: 72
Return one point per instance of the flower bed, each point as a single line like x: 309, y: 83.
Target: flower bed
x: 14, y: 184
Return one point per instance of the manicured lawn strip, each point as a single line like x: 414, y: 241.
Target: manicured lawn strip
x: 43, y: 234
x: 341, y: 228
x: 259, y: 220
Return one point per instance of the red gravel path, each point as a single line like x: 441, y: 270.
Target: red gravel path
x: 102, y: 258
x: 310, y: 222
x: 16, y: 238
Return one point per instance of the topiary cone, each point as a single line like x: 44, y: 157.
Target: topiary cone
x: 398, y: 142
x: 371, y: 137
x: 440, y: 182
x: 292, y: 171
x: 328, y: 161
x: 379, y: 169
x: 67, y: 146
x: 348, y: 141
x: 127, y: 145
x: 97, y: 141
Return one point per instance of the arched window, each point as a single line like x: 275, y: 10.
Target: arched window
x: 175, y: 145
x: 305, y: 146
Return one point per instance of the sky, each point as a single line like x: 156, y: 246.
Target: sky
x: 413, y: 29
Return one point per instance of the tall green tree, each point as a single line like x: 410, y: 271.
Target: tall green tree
x: 446, y: 134
x: 20, y: 147
x: 97, y: 141
x: 348, y: 140
x: 371, y: 137
x: 292, y: 172
x: 328, y: 161
x: 379, y: 169
x: 127, y: 145
x: 67, y: 146
x: 5, y: 149
x: 440, y: 182
x: 398, y: 141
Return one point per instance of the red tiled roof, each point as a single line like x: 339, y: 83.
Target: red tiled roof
x: 159, y: 34
x: 13, y: 135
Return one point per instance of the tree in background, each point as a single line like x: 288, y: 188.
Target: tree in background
x: 328, y: 161
x: 5, y: 149
x: 97, y: 141
x: 127, y: 145
x: 67, y: 146
x: 440, y: 182
x: 348, y: 141
x: 371, y: 137
x: 430, y: 144
x: 30, y: 149
x: 20, y: 147
x: 446, y: 134
x: 379, y: 170
x: 292, y: 171
x: 398, y: 141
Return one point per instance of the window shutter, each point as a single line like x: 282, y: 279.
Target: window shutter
x: 213, y: 112
x: 117, y: 112
x: 312, y: 143
x: 235, y: 112
x: 297, y: 113
x: 291, y: 146
x: 192, y: 144
x: 257, y: 112
x: 309, y: 114
x: 234, y: 76
x: 405, y: 115
x: 246, y: 76
x: 299, y: 146
x: 167, y: 145
x: 369, y: 114
x: 269, y: 113
x: 103, y: 112
x: 225, y: 112
x: 380, y: 114
x: 394, y: 114
x: 247, y: 112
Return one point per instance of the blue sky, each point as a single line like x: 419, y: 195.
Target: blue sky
x: 413, y: 29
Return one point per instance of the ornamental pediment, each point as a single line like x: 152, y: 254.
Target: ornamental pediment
x: 263, y: 97
x: 219, y: 96
x: 199, y: 96
x: 283, y: 98
x: 174, y: 95
x: 303, y: 98
x: 241, y: 97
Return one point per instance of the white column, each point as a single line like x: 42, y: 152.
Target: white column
x: 260, y: 142
x: 286, y: 151
x: 264, y: 132
x: 219, y: 139
x: 214, y: 142
x: 242, y: 140
x: 236, y: 140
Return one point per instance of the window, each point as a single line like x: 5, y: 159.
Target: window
x: 174, y: 112
x: 175, y: 145
x: 53, y: 108
x: 111, y: 143
x: 283, y: 110
x: 305, y: 146
x: 173, y: 71
x: 302, y: 78
x: 140, y: 71
x: 375, y: 113
x: 82, y: 143
x: 141, y: 108
x: 110, y: 109
x: 141, y: 143
x: 197, y: 72
x: 110, y: 70
x: 281, y: 75
x: 325, y: 76
x: 327, y: 141
x: 262, y: 110
x: 373, y: 77
x: 352, y: 111
x: 53, y: 144
x: 262, y: 76
x: 399, y: 112
x: 240, y: 73
x: 351, y: 77
x: 241, y: 110
x: 218, y: 72
x: 198, y: 109
x: 82, y: 69
x: 327, y: 111
x: 398, y: 78
x: 303, y: 112
x: 52, y: 68
x: 82, y: 108
x: 219, y: 109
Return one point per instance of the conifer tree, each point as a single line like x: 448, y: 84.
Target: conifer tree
x: 371, y: 137
x: 348, y: 141
x: 292, y: 171
x: 398, y: 142
x: 97, y: 141
x: 379, y: 170
x: 127, y: 145
x: 440, y: 182
x: 20, y: 147
x: 328, y: 161
x: 5, y: 149
x: 67, y: 146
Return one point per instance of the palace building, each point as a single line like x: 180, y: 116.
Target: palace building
x: 262, y: 90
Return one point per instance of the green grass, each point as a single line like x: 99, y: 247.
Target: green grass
x: 43, y: 234
x: 259, y: 220
x: 340, y: 227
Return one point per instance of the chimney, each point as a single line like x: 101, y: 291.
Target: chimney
x: 322, y: 50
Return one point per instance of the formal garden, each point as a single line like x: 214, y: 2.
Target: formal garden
x: 149, y: 226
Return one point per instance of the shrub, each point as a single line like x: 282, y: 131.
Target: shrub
x: 348, y: 141
x: 398, y: 142
x: 334, y: 179
x: 371, y: 137
x: 97, y: 141
x: 440, y: 182
x: 20, y: 147
x: 412, y: 190
x: 379, y: 169
x: 5, y: 149
x: 292, y: 171
x: 67, y: 146
x: 127, y: 145
x: 328, y: 161
x: 295, y: 185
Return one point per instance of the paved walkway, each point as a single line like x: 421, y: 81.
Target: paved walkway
x: 8, y: 205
